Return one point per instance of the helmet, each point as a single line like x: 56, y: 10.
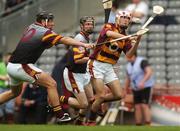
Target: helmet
x: 124, y: 14
x: 119, y: 19
x: 86, y: 18
x: 44, y: 16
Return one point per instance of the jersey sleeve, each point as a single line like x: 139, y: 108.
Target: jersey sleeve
x: 51, y: 38
x: 144, y: 64
x: 107, y: 27
x: 79, y: 52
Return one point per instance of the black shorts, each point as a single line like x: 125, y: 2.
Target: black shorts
x: 142, y: 96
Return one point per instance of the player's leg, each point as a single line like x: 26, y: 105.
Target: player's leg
x: 116, y: 91
x: 10, y: 94
x: 74, y: 82
x: 32, y: 74
x: 113, y: 83
x: 98, y: 86
x: 9, y: 110
x: 17, y: 76
x: 146, y: 111
x: 100, y: 93
x: 83, y: 113
x: 138, y: 114
x: 137, y: 106
x: 96, y: 70
x: 89, y: 92
x: 49, y: 83
x: 80, y: 101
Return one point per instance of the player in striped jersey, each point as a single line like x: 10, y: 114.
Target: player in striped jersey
x: 75, y: 78
x: 37, y: 37
x: 100, y: 65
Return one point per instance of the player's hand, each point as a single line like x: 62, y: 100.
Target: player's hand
x: 133, y: 40
x: 89, y: 46
x: 29, y: 102
x: 141, y: 85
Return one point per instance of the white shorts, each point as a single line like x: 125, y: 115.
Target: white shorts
x: 101, y: 70
x: 20, y: 73
x: 75, y: 82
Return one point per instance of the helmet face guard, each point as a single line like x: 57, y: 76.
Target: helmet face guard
x: 85, y: 19
x: 44, y: 16
x: 121, y: 15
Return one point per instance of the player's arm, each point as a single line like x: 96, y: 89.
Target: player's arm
x: 132, y: 46
x: 54, y: 39
x: 113, y: 34
x: 71, y: 41
x: 148, y: 71
x: 82, y: 60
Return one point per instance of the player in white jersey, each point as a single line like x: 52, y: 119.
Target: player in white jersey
x: 75, y: 78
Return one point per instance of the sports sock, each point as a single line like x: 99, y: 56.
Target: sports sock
x: 64, y: 99
x: 58, y: 111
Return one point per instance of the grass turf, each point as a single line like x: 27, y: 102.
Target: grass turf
x: 85, y: 128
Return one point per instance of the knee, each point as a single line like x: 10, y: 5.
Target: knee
x: 118, y: 96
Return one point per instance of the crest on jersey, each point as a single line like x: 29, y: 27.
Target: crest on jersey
x: 113, y: 46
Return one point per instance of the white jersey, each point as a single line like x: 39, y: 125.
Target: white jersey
x: 74, y: 80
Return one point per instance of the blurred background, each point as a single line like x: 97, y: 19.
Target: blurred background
x: 161, y: 46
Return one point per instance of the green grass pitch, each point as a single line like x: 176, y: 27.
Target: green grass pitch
x: 85, y: 128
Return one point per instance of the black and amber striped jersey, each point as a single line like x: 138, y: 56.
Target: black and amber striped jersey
x: 76, y: 53
x: 109, y: 52
x: 32, y: 44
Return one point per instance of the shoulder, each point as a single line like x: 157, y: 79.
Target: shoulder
x: 144, y: 63
x: 38, y: 28
x: 141, y: 59
x: 79, y: 37
x: 108, y: 25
